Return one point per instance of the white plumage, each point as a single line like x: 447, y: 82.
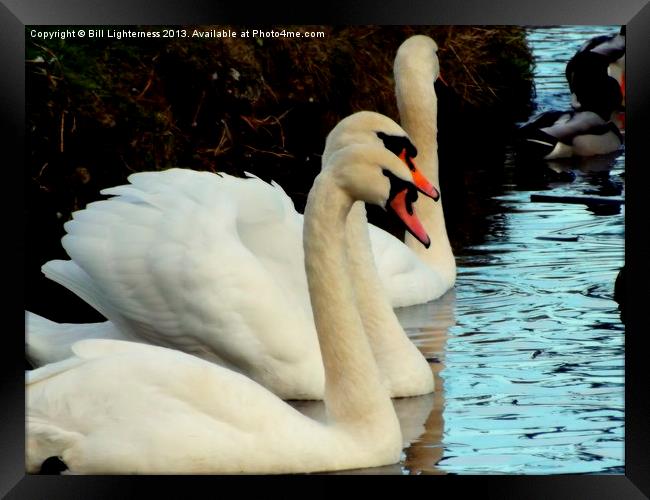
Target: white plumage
x: 212, y: 265
x: 123, y: 407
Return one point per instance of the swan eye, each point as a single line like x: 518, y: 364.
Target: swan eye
x: 396, y: 144
x: 407, y: 160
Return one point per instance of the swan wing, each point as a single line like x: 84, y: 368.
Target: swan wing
x: 190, y: 260
x: 48, y: 342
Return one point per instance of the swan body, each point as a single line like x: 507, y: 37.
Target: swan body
x: 226, y: 287
x: 178, y: 415
x: 219, y: 287
x: 123, y: 407
x: 557, y: 134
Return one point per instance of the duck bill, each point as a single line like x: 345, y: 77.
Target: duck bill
x: 408, y: 217
x: 419, y: 180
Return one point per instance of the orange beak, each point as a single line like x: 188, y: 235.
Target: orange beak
x: 402, y: 202
x: 419, y: 180
x: 413, y: 224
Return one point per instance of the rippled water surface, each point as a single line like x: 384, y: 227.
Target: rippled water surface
x: 528, y: 350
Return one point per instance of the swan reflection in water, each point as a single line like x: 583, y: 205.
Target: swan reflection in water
x: 420, y: 417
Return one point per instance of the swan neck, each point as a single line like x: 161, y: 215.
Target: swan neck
x: 354, y: 393
x: 418, y: 109
x: 392, y: 349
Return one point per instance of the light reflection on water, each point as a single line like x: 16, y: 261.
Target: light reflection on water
x: 534, y: 365
x: 528, y: 350
x: 534, y: 373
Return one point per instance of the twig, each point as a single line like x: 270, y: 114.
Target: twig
x: 268, y: 87
x: 255, y: 123
x: 54, y: 57
x: 128, y: 167
x: 588, y: 200
x: 61, y: 134
x: 557, y: 238
x: 225, y: 136
x: 198, y: 109
x: 40, y: 173
x: 273, y: 153
x: 146, y: 87
x: 469, y: 73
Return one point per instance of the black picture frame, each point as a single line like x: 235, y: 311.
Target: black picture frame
x: 16, y: 14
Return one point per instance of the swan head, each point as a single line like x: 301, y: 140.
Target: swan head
x: 368, y: 127
x: 417, y: 53
x: 375, y: 175
x: 373, y: 129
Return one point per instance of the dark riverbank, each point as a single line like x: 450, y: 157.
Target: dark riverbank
x: 100, y: 109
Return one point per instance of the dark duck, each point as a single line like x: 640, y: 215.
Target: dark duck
x: 588, y: 129
x: 598, y: 65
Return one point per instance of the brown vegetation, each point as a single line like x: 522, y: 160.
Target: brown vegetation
x: 99, y: 109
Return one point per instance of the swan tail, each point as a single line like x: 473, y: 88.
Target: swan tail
x: 48, y: 342
x: 45, y: 440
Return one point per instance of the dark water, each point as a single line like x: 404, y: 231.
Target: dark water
x: 528, y: 350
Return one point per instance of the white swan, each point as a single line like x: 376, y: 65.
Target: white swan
x: 122, y: 407
x: 109, y: 243
x: 225, y: 287
x: 408, y: 281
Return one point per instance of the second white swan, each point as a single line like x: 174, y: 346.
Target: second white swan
x: 122, y: 407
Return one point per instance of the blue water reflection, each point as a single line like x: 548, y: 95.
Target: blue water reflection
x: 534, y: 366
